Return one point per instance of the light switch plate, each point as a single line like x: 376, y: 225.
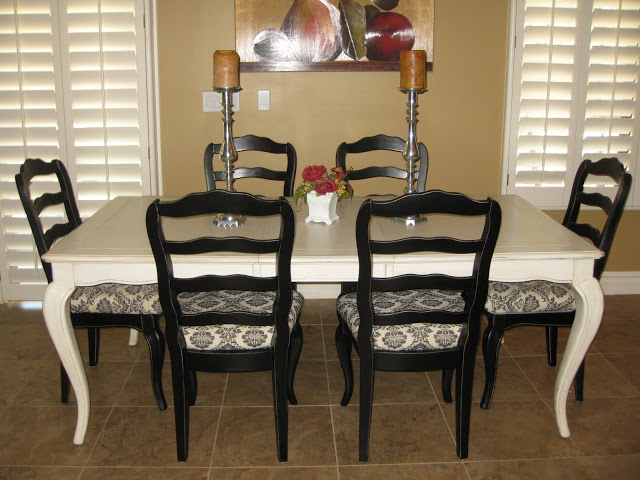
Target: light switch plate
x: 212, y: 102
x: 264, y: 102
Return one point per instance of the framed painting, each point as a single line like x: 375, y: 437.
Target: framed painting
x: 331, y: 35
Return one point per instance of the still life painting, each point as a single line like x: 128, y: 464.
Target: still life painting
x: 331, y: 35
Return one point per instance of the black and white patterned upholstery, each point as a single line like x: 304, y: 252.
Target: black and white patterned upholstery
x: 115, y: 298
x: 232, y: 336
x: 411, y: 336
x: 531, y: 296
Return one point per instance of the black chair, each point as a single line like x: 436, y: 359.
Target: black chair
x: 553, y: 304
x: 253, y: 143
x: 382, y: 142
x: 100, y: 306
x: 419, y: 321
x: 227, y: 322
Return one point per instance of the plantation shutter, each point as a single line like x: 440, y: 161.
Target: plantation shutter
x: 574, y: 93
x: 73, y: 87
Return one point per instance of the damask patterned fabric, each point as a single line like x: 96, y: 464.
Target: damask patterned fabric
x: 410, y: 336
x: 532, y: 296
x: 230, y: 336
x: 116, y: 298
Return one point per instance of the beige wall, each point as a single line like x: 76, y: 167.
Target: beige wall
x: 461, y: 116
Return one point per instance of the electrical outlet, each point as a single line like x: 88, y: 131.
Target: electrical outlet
x: 212, y: 101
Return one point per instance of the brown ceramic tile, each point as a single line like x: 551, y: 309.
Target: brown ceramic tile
x: 511, y: 383
x: 14, y: 376
x: 621, y: 306
x: 605, y: 426
x: 531, y: 340
x: 601, y: 378
x: 307, y: 316
x: 310, y: 383
x: 114, y: 345
x: 617, y: 467
x: 44, y: 436
x: 138, y: 391
x: 329, y: 335
x: 556, y: 468
x: 628, y: 364
x: 618, y: 336
x: 247, y: 437
x: 145, y: 436
x: 450, y: 471
x: 105, y: 381
x: 312, y: 347
x: 14, y: 347
x: 141, y: 473
x: 276, y: 473
x: 39, y: 473
x: 513, y: 430
x: 250, y: 389
x: 21, y: 313
x: 399, y: 434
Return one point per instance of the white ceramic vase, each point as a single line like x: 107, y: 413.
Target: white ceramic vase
x: 322, y: 208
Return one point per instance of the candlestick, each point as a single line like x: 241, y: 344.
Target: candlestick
x: 413, y: 69
x: 225, y: 69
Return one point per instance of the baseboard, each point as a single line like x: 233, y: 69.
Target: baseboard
x: 620, y: 283
x: 613, y: 283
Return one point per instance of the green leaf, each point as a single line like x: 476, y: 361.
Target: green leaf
x: 353, y: 22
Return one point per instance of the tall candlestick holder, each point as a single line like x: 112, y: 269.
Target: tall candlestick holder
x: 411, y: 153
x: 228, y: 154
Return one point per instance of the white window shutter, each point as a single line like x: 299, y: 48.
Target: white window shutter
x: 574, y: 89
x: 73, y: 87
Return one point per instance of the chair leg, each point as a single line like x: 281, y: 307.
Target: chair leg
x: 181, y: 408
x: 295, y: 348
x: 155, y: 340
x: 64, y: 385
x: 280, y: 404
x: 464, y: 387
x: 366, y: 405
x: 447, y: 378
x: 491, y: 342
x: 552, y: 345
x: 578, y: 383
x: 94, y: 345
x: 344, y: 346
x: 192, y: 386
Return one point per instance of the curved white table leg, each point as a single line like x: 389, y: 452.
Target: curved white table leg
x: 590, y: 305
x: 55, y: 308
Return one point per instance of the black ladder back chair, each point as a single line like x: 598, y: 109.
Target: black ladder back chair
x: 418, y: 321
x: 130, y: 306
x: 382, y: 142
x: 253, y: 143
x: 552, y: 304
x: 227, y: 322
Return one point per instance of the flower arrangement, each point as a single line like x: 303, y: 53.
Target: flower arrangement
x: 316, y: 178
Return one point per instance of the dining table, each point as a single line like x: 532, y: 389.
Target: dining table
x: 112, y: 246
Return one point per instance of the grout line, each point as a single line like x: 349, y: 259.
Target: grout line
x: 215, y: 438
x: 333, y: 428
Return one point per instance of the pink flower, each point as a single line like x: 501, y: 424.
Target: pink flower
x: 313, y: 173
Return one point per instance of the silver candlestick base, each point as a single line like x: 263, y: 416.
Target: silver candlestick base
x: 411, y: 153
x: 228, y: 154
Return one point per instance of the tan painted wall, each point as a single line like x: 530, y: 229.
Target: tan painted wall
x: 461, y: 116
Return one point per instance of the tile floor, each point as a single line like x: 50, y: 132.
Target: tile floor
x: 232, y: 430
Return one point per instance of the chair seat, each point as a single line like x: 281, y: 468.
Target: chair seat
x: 530, y: 297
x: 116, y: 298
x: 233, y: 336
x: 410, y: 336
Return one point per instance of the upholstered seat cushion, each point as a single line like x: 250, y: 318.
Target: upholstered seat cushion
x: 231, y: 336
x: 116, y: 298
x: 410, y: 336
x: 529, y: 297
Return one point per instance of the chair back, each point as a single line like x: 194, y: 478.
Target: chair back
x: 382, y: 142
x: 253, y: 143
x: 34, y: 207
x: 167, y: 243
x: 419, y: 239
x: 601, y: 238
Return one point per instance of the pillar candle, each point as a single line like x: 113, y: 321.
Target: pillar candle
x: 413, y: 64
x: 225, y: 68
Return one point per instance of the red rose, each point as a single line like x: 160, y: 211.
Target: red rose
x: 313, y: 173
x: 324, y: 187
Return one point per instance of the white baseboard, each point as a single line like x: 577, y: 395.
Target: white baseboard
x: 613, y: 283
x: 620, y: 283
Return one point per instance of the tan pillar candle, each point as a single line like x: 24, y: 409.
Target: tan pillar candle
x: 413, y: 69
x: 226, y: 64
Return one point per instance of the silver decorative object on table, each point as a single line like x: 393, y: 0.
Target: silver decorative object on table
x: 228, y: 154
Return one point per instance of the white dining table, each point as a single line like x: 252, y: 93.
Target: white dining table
x: 112, y: 246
